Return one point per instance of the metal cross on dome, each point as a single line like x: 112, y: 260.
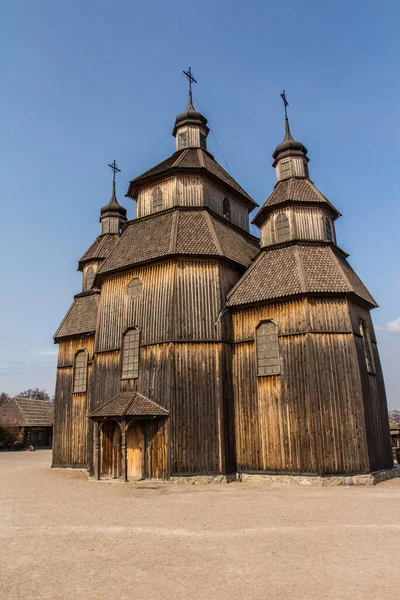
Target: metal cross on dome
x: 285, y: 102
x: 114, y: 168
x: 191, y: 79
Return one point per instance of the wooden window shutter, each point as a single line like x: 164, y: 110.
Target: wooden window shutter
x: 90, y: 275
x: 157, y: 199
x: 367, y: 347
x: 328, y: 229
x: 282, y: 228
x: 267, y: 348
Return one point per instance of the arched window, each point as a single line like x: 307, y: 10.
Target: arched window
x: 157, y: 199
x: 367, y: 347
x: 282, y: 228
x: 80, y: 372
x: 226, y: 207
x: 267, y: 348
x: 130, y: 354
x: 328, y: 229
x: 90, y: 275
x: 134, y: 288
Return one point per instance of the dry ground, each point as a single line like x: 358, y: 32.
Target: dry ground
x: 62, y: 536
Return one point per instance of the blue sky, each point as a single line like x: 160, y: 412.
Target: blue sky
x: 87, y: 82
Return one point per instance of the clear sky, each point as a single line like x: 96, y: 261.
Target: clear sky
x: 86, y: 82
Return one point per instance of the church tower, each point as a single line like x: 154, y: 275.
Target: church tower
x: 307, y: 380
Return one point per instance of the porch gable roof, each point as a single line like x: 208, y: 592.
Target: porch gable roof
x: 129, y: 404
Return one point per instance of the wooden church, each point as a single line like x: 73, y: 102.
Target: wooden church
x: 196, y: 348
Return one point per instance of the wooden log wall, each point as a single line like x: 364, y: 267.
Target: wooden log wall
x: 70, y: 438
x: 192, y: 190
x: 305, y: 224
x: 310, y: 418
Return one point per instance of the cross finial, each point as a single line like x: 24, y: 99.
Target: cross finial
x: 191, y: 80
x: 114, y: 168
x: 285, y: 102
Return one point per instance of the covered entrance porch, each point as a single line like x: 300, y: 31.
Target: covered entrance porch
x: 130, y: 439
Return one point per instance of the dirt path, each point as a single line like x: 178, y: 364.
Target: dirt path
x: 63, y: 537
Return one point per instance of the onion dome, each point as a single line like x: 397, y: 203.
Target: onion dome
x: 190, y: 117
x: 289, y: 147
x: 113, y: 208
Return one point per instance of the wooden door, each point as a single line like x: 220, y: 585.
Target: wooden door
x: 134, y: 450
x: 106, y: 450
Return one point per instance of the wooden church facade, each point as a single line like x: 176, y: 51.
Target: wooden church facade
x: 197, y: 349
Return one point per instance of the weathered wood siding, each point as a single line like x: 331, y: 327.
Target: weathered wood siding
x: 192, y: 190
x: 214, y: 199
x: 70, y: 440
x: 305, y: 224
x: 310, y: 418
x: 374, y: 395
x: 184, y: 364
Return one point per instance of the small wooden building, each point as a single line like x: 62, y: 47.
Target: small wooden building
x: 24, y: 422
x: 195, y: 348
x: 395, y: 437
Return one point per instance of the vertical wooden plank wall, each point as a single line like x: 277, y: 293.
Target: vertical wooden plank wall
x: 192, y: 190
x: 305, y: 224
x: 374, y: 395
x: 71, y: 410
x: 184, y: 358
x: 308, y: 418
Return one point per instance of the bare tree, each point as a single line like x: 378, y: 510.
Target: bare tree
x: 4, y: 397
x: 34, y: 393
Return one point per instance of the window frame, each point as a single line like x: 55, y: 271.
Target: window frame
x: 281, y: 216
x: 183, y: 139
x: 365, y: 335
x: 156, y: 200
x: 328, y: 229
x: 203, y: 140
x: 274, y: 366
x: 139, y: 291
x: 92, y: 272
x: 289, y: 172
x: 84, y: 368
x: 226, y: 209
x: 127, y: 359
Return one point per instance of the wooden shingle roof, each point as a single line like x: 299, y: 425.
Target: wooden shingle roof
x: 186, y: 231
x: 81, y: 317
x: 190, y: 159
x: 297, y: 269
x: 26, y: 412
x: 100, y: 249
x: 129, y: 404
x: 297, y: 190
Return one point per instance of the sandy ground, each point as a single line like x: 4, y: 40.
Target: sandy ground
x: 62, y: 536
